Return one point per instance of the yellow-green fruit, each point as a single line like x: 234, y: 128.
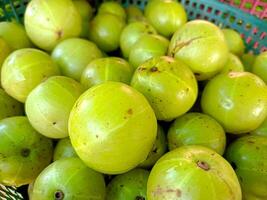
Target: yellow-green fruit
x: 112, y: 128
x: 166, y: 16
x: 134, y: 14
x: 112, y: 7
x: 261, y: 130
x: 233, y: 65
x: 69, y: 179
x: 234, y: 41
x: 197, y: 129
x: 260, y: 66
x: 48, y: 106
x: 64, y: 149
x: 24, y: 69
x: 202, y: 46
x: 169, y: 86
x: 9, y: 106
x: 248, y: 60
x: 4, y: 52
x: 193, y: 172
x: 24, y: 153
x: 237, y: 100
x: 15, y: 35
x: 49, y: 22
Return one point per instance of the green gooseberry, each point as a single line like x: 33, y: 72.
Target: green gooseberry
x: 158, y: 149
x: 49, y: 22
x: 64, y: 149
x: 9, y: 106
x: 105, y: 30
x: 169, y: 86
x: 73, y: 55
x: 112, y: 128
x: 202, y: 46
x: 147, y: 47
x: 233, y: 65
x: 197, y: 129
x: 69, y: 178
x: 134, y: 14
x: 234, y: 41
x: 24, y: 69
x: 248, y: 157
x: 248, y: 60
x: 261, y: 130
x: 112, y: 7
x: 15, y: 35
x: 132, y: 33
x: 193, y: 172
x: 237, y: 100
x: 166, y: 16
x: 5, y: 51
x: 48, y: 106
x: 106, y: 69
x: 24, y: 153
x: 260, y: 66
x: 129, y: 186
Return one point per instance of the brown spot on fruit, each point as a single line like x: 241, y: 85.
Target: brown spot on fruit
x: 96, y: 136
x: 140, y: 198
x: 203, y: 165
x: 177, y: 192
x: 141, y: 69
x: 25, y: 152
x: 59, y: 34
x: 154, y: 69
x: 130, y: 111
x: 59, y: 195
x: 54, y: 123
x: 160, y: 191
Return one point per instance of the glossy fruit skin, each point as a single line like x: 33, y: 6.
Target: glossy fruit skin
x: 234, y: 41
x: 128, y: 186
x: 248, y: 60
x: 131, y: 34
x: 134, y: 14
x: 112, y: 7
x: 166, y: 16
x: 9, y: 106
x: 233, y: 65
x: 49, y: 22
x: 15, y: 35
x: 5, y: 51
x: 197, y: 129
x: 169, y: 86
x: 73, y: 55
x: 158, y: 149
x: 106, y: 69
x: 105, y: 30
x: 24, y: 153
x: 147, y: 47
x: 193, y: 172
x: 237, y: 100
x: 202, y: 46
x: 24, y: 69
x: 112, y: 128
x: 64, y: 149
x: 72, y: 179
x: 86, y: 12
x: 260, y: 66
x: 48, y: 106
x: 248, y: 155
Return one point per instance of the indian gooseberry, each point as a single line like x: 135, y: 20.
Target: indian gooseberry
x: 15, y: 35
x: 233, y: 65
x: 5, y: 51
x: 237, y: 100
x: 158, y: 149
x: 147, y: 47
x: 193, y: 172
x: 248, y: 60
x: 112, y: 127
x: 197, y: 129
x: 261, y: 130
x: 128, y: 186
x: 260, y: 66
x: 234, y: 41
x: 131, y: 34
x: 106, y: 69
x: 168, y: 84
x: 166, y: 16
x: 24, y: 69
x: 248, y: 157
x: 69, y: 178
x: 49, y: 22
x: 64, y: 149
x: 202, y: 46
x: 134, y: 14
x: 73, y: 55
x: 112, y: 7
x: 9, y: 106
x: 105, y: 30
x: 48, y: 106
x: 24, y: 153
